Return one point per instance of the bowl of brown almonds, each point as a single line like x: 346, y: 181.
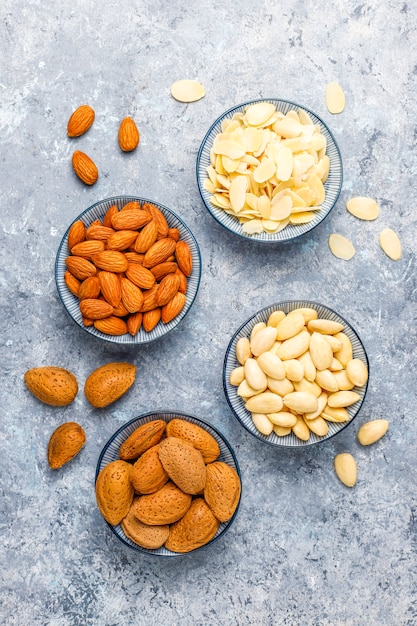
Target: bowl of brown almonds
x: 128, y: 270
x: 269, y: 170
x: 168, y: 484
x: 295, y: 374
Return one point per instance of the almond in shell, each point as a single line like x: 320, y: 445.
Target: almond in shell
x: 197, y: 436
x: 108, y: 383
x: 143, y: 438
x: 148, y: 474
x: 144, y: 535
x: 183, y: 463
x: 84, y: 167
x: 222, y: 490
x: 196, y: 528
x: 55, y: 386
x: 165, y: 506
x: 114, y: 491
x: 65, y: 443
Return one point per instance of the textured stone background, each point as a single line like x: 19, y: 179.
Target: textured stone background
x: 304, y: 549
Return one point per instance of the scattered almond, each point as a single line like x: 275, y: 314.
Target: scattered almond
x: 187, y: 90
x: 55, y: 386
x: 84, y: 167
x: 341, y: 247
x: 345, y: 468
x: 335, y: 97
x: 390, y: 243
x: 128, y: 135
x: 363, y: 208
x: 65, y: 443
x: 80, y: 121
x: 372, y: 431
x: 108, y: 383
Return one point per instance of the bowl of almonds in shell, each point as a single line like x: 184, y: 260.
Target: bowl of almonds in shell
x: 128, y: 270
x: 269, y: 170
x: 168, y: 484
x: 295, y: 374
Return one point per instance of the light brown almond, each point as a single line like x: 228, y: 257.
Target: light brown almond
x: 84, y: 167
x: 108, y: 383
x: 80, y: 120
x: 195, y: 529
x: 144, y: 437
x: 128, y: 135
x: 65, y: 443
x: 114, y: 491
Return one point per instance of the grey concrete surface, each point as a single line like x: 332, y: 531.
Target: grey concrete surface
x: 305, y: 550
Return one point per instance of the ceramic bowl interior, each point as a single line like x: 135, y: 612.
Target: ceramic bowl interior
x: 110, y: 453
x: 332, y: 185
x: 236, y: 403
x: 71, y: 303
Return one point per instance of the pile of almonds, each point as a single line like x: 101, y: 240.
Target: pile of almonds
x: 129, y: 270
x: 168, y: 488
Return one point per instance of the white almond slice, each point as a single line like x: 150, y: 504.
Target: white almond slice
x: 296, y: 144
x: 187, y: 90
x: 257, y: 114
x: 304, y: 117
x: 281, y: 208
x: 390, y: 243
x: 288, y: 127
x: 323, y: 168
x: 363, y: 208
x: 230, y: 165
x: 264, y: 207
x: 253, y: 227
x: 318, y: 142
x: 341, y: 247
x: 222, y: 201
x: 229, y: 148
x: 237, y: 193
x: 252, y: 201
x: 264, y: 171
x: 297, y: 201
x: 317, y: 187
x: 335, y: 98
x: 285, y: 164
x: 248, y: 159
x: 224, y: 181
x: 301, y: 218
x: 271, y: 226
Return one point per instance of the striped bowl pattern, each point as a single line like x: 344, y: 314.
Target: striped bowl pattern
x: 236, y: 403
x: 70, y: 302
x: 332, y: 186
x: 110, y: 453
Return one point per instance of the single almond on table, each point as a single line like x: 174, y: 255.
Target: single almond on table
x: 196, y: 528
x: 341, y: 247
x: 55, y: 386
x: 84, y: 167
x: 65, y: 443
x: 187, y: 90
x: 363, y: 208
x: 335, y: 97
x: 142, y: 438
x: 108, y: 383
x: 390, y: 243
x: 372, y: 431
x: 114, y: 491
x: 80, y: 121
x: 128, y: 135
x: 345, y: 468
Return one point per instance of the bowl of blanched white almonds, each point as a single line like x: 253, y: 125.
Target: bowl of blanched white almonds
x: 295, y: 373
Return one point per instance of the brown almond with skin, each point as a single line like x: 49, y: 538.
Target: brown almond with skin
x: 107, y: 219
x: 167, y: 289
x: 108, y: 383
x: 88, y: 248
x: 133, y: 204
x: 84, y: 167
x: 144, y: 535
x: 79, y: 267
x: 151, y: 318
x: 162, y: 269
x: 130, y: 219
x: 159, y: 217
x: 134, y: 257
x: 142, y: 438
x: 196, y: 436
x: 114, y: 491
x: 110, y: 287
x: 165, y: 506
x: 98, y: 232
x: 147, y: 237
x: 148, y: 474
x: 132, y: 296
x: 76, y: 233
x: 159, y: 252
x: 183, y: 281
x: 128, y: 135
x: 184, y: 257
x: 65, y: 443
x: 134, y: 322
x: 80, y: 120
x: 120, y: 310
x: 121, y: 239
x: 111, y: 261
x: 184, y: 464
x: 149, y: 299
x: 111, y: 325
x: 222, y: 490
x: 55, y: 386
x: 140, y: 276
x: 89, y: 288
x: 173, y: 308
x: 195, y: 529
x: 95, y: 309
x: 174, y: 233
x: 86, y: 321
x: 71, y: 282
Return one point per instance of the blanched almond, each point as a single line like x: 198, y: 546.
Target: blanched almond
x: 318, y: 426
x: 301, y: 430
x: 283, y: 418
x: 255, y: 377
x: 290, y: 325
x: 272, y: 365
x: 335, y: 98
x: 320, y: 351
x: 372, y: 431
x: 237, y: 375
x: 343, y: 399
x: 263, y: 340
x: 266, y: 402
x: 300, y: 402
x: 262, y: 423
x: 357, y: 372
x: 345, y: 468
x: 295, y: 346
x: 243, y: 350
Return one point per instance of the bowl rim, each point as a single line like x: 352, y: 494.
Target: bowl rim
x: 168, y: 415
x: 274, y: 440
x: 230, y: 223
x: 67, y: 298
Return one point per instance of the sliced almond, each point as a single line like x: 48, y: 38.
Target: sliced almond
x: 258, y: 113
x: 363, y: 208
x: 187, y: 90
x: 335, y: 97
x: 341, y: 247
x: 237, y: 193
x: 390, y: 243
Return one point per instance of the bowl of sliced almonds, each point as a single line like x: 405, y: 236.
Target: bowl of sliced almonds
x: 295, y: 374
x: 269, y: 170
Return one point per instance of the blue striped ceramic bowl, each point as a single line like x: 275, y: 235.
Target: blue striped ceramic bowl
x: 110, y: 453
x: 70, y: 302
x: 237, y: 404
x: 332, y: 185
